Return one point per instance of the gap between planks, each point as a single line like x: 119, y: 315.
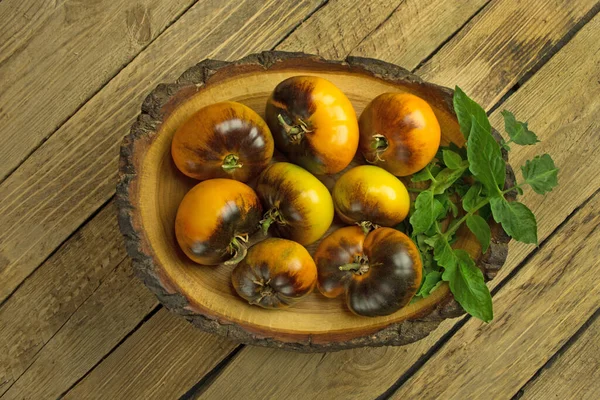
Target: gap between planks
x: 127, y: 336
x: 564, y: 349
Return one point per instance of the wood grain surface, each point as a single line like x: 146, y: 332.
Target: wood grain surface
x: 51, y: 79
x: 574, y: 374
x: 55, y: 292
x: 416, y: 29
x: 493, y: 50
x: 153, y: 364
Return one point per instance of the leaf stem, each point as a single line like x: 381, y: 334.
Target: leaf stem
x: 458, y: 223
x: 512, y: 188
x: 433, y: 180
x: 481, y: 204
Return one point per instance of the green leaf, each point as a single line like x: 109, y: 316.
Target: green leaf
x: 481, y: 230
x: 518, y: 131
x: 442, y: 251
x: 472, y: 197
x: 451, y: 159
x: 431, y: 281
x: 485, y: 160
x: 427, y: 210
x: 541, y: 174
x: 468, y: 113
x: 468, y: 287
x: 465, y: 279
x: 421, y: 176
x: 516, y: 219
x: 446, y: 177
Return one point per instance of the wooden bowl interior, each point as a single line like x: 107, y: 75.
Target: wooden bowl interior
x: 208, y: 289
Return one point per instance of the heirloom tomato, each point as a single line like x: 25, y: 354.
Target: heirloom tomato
x: 379, y: 272
x: 223, y: 140
x: 370, y: 194
x: 399, y: 132
x: 298, y: 206
x: 313, y: 124
x: 276, y: 273
x: 214, y: 221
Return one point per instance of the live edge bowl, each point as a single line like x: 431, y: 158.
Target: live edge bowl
x: 150, y: 188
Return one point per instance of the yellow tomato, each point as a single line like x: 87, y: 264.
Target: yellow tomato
x: 299, y: 206
x: 370, y: 193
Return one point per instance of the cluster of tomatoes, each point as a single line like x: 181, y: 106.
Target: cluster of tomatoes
x: 314, y: 125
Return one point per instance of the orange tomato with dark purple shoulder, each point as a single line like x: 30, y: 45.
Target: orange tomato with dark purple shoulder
x: 313, y: 124
x: 399, y: 132
x: 214, y: 221
x: 223, y: 140
x: 379, y: 273
x: 276, y: 273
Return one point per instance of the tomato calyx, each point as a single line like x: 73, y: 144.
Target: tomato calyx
x: 231, y: 162
x: 237, y: 248
x: 270, y: 217
x: 295, y: 132
x: 367, y: 226
x: 265, y: 291
x: 360, y: 266
x: 379, y: 144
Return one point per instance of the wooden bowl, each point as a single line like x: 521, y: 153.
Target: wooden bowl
x: 150, y: 189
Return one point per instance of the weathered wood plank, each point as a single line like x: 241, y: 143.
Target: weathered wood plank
x: 169, y: 352
x: 537, y: 311
x: 45, y: 301
x: 73, y: 173
x: 504, y: 38
x: 65, y: 51
x: 338, y: 28
x: 335, y: 372
x: 574, y: 374
x: 97, y: 326
x: 414, y: 30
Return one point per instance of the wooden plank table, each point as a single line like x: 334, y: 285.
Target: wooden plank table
x: 76, y: 323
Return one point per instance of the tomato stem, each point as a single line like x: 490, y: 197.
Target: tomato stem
x: 360, y: 265
x: 367, y: 226
x: 238, y: 249
x: 231, y: 162
x: 379, y: 144
x: 270, y: 217
x: 265, y: 291
x: 295, y: 132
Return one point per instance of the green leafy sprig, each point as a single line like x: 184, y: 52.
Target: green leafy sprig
x: 475, y: 179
